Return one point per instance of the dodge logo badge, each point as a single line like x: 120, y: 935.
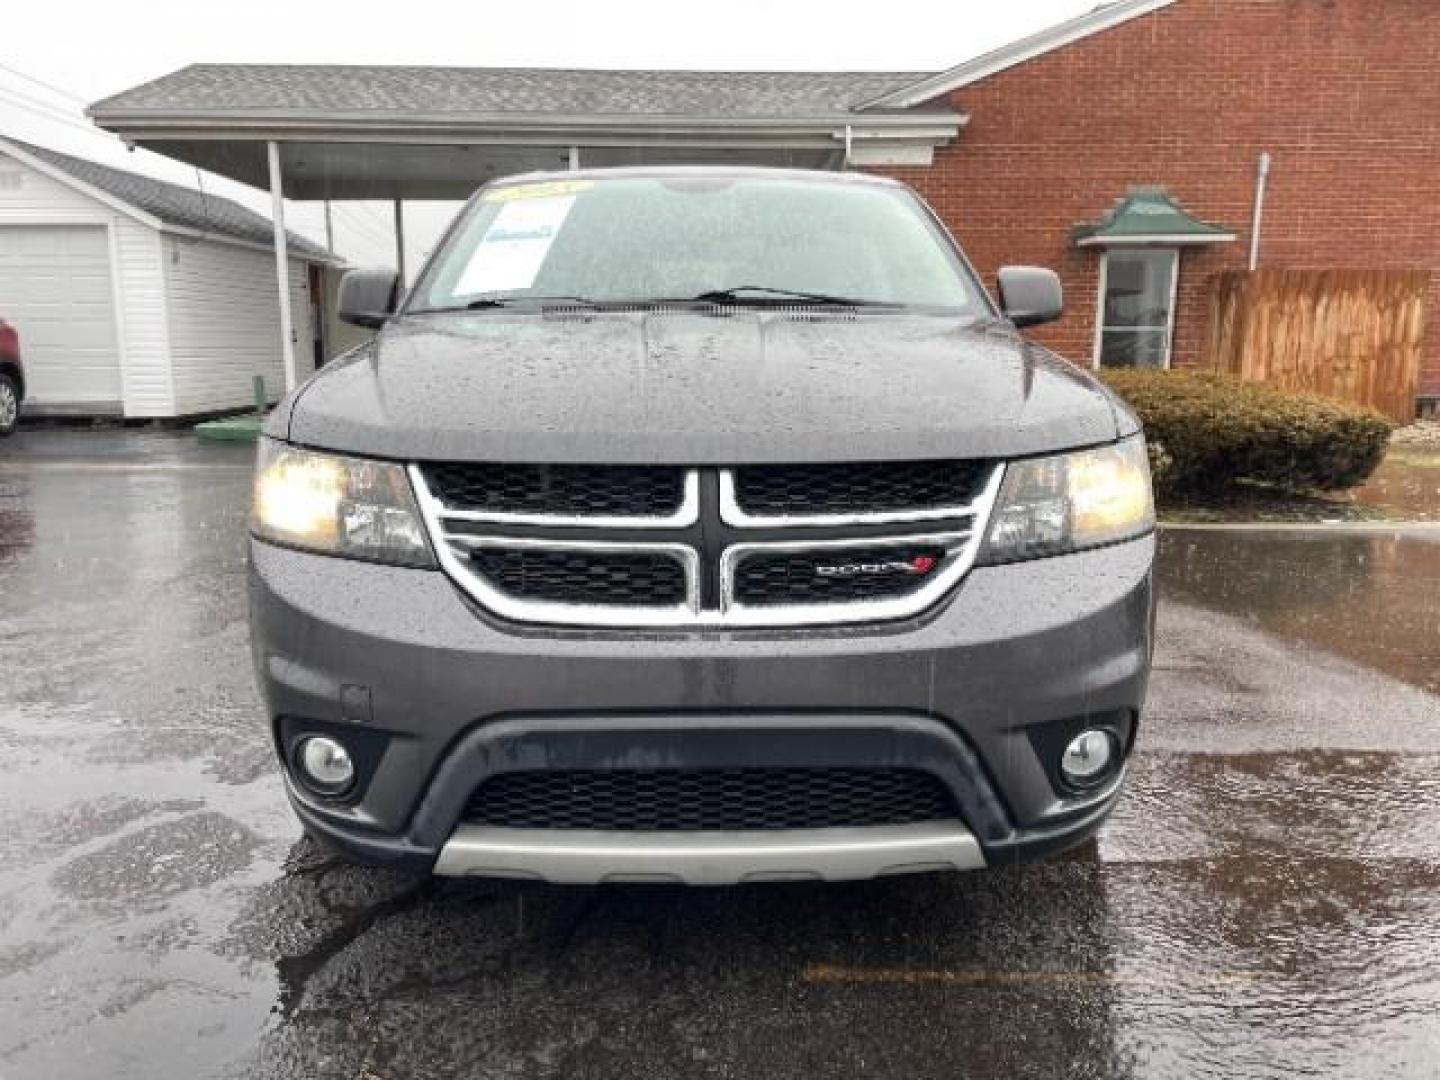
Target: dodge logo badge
x: 919, y: 565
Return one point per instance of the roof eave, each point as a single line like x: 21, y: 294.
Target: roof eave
x: 261, y: 123
x: 292, y: 248
x: 1157, y: 239
x: 70, y: 180
x: 1018, y: 52
x: 145, y: 217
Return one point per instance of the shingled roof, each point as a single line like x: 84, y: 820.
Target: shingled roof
x: 334, y: 88
x: 171, y: 203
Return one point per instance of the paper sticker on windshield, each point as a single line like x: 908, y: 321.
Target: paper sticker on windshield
x: 547, y: 190
x: 513, y: 249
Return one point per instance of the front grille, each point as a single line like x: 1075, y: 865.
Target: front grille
x: 583, y: 576
x: 754, y: 546
x: 864, y: 488
x: 704, y: 800
x: 559, y: 490
x: 834, y: 575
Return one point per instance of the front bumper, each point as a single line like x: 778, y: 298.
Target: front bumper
x: 582, y: 858
x: 437, y: 695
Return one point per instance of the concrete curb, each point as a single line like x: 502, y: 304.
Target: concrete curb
x: 1422, y: 528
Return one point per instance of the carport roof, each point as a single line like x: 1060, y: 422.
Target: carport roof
x: 334, y: 89
x: 171, y: 204
x: 366, y: 132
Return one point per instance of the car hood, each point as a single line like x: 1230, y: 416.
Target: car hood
x: 699, y: 387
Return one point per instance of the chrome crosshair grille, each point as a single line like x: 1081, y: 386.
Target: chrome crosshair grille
x: 753, y: 546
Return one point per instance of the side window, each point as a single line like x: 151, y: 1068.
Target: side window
x: 1137, y: 308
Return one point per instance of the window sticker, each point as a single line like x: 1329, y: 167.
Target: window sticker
x: 513, y: 249
x: 549, y: 189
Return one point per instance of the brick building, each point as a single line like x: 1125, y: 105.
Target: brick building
x: 1061, y: 150
x: 1343, y: 94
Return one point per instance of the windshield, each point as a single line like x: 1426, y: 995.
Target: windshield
x: 636, y: 239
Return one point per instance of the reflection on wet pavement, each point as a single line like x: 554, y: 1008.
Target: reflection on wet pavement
x: 1264, y: 903
x: 1407, y: 485
x: 1323, y: 804
x: 1372, y: 595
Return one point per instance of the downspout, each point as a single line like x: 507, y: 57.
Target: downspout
x: 1262, y: 182
x: 849, y: 143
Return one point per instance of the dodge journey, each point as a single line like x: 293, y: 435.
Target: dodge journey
x: 701, y: 525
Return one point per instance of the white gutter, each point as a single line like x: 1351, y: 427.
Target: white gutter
x: 920, y: 132
x: 218, y: 122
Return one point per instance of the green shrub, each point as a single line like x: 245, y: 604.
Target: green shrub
x: 1208, y: 431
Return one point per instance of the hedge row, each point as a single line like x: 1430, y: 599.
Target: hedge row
x: 1208, y: 431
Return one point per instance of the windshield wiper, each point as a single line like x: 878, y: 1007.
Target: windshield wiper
x: 507, y: 301
x: 486, y: 303
x: 770, y: 295
x: 740, y: 295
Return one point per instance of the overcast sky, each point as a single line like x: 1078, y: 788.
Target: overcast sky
x: 81, y: 51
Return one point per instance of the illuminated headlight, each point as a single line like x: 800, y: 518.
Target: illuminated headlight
x: 1069, y: 502
x: 337, y: 506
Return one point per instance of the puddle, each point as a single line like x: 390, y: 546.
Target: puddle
x: 1407, y: 485
x: 1371, y: 596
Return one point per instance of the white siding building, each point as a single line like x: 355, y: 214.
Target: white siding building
x: 138, y: 298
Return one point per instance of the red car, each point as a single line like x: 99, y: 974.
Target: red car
x: 12, y: 378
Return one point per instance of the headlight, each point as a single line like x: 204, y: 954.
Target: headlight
x: 337, y: 506
x: 1055, y: 505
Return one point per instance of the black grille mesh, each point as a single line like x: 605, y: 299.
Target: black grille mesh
x: 697, y: 800
x: 834, y: 576
x: 567, y: 490
x: 583, y: 577
x: 872, y: 487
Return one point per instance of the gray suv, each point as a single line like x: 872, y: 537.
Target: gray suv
x: 701, y: 525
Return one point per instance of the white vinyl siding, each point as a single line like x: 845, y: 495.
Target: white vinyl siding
x: 224, y: 323
x: 190, y: 321
x: 145, y: 372
x: 55, y: 288
x: 29, y: 197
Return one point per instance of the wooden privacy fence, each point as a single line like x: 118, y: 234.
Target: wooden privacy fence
x: 1355, y: 335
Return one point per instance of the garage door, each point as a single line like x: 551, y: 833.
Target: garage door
x: 55, y: 288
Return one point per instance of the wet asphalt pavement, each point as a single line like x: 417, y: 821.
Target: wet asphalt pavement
x: 1265, y: 903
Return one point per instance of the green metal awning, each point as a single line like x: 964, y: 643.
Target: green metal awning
x: 1150, y: 215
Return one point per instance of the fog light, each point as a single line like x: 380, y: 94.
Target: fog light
x: 326, y: 764
x: 1088, y: 758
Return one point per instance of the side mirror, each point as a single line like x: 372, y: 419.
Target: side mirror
x: 1030, y: 295
x: 368, y: 297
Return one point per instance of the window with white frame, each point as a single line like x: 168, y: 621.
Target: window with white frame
x: 1137, y: 307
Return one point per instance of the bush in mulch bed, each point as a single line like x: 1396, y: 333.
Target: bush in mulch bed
x: 1208, y: 432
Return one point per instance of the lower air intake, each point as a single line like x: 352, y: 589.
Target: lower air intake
x: 705, y: 800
